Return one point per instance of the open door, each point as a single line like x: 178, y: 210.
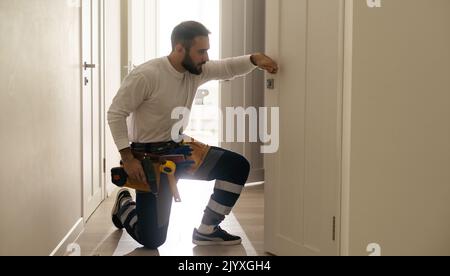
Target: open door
x: 242, y: 32
x: 302, y: 201
x: 91, y: 102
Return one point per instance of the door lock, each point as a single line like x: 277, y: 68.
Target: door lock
x: 270, y: 84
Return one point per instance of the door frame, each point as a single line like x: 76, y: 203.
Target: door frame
x: 346, y: 126
x: 242, y: 32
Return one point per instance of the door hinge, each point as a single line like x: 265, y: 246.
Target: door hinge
x: 334, y: 229
x: 104, y: 165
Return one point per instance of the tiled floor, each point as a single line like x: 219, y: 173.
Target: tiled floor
x: 100, y: 238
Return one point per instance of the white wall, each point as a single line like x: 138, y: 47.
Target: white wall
x: 40, y: 140
x: 400, y: 128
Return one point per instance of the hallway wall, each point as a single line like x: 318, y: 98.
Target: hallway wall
x: 400, y: 128
x: 40, y: 138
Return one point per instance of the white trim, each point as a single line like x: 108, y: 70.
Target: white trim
x: 272, y: 160
x: 71, y: 236
x: 151, y: 27
x: 103, y: 107
x: 255, y: 184
x: 124, y: 38
x: 346, y: 131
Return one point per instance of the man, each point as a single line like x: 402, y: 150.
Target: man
x: 150, y: 93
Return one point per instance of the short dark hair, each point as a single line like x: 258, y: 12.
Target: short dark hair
x: 186, y: 32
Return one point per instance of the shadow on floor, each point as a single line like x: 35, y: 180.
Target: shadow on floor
x: 237, y: 250
x: 143, y: 252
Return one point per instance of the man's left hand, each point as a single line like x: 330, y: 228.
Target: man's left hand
x: 264, y: 62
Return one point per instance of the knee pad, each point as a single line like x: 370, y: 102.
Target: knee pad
x: 231, y: 167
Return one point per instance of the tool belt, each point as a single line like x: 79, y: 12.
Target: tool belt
x: 158, y: 159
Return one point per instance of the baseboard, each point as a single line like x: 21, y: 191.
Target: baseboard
x: 71, y: 236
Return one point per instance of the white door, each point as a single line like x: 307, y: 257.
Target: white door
x: 92, y: 160
x: 303, y: 178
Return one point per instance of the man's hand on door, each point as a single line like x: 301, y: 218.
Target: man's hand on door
x: 264, y: 62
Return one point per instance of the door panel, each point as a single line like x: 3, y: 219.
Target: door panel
x: 92, y: 164
x: 303, y: 177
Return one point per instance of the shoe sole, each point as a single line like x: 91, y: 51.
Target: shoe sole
x: 215, y: 243
x: 115, y: 209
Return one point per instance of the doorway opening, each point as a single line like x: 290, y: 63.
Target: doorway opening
x: 152, y: 22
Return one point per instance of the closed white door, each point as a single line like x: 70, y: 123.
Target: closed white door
x: 302, y: 190
x: 91, y: 101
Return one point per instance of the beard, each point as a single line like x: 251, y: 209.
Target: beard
x: 190, y: 66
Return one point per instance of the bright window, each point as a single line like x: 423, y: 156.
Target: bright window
x: 152, y: 23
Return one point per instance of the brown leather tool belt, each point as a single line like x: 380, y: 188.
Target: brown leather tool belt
x: 158, y: 153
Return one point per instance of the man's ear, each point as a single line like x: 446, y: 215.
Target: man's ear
x: 179, y: 48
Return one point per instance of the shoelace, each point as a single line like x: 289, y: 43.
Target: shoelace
x: 218, y: 228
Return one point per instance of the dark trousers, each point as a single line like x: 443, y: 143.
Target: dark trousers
x: 153, y: 213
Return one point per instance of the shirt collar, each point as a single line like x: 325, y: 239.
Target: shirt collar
x: 172, y: 69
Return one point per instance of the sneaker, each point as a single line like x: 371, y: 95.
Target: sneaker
x: 218, y: 237
x: 121, y: 195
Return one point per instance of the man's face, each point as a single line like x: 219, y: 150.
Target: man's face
x: 197, y: 56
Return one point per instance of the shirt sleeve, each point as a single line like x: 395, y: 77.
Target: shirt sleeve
x: 133, y: 92
x: 227, y: 69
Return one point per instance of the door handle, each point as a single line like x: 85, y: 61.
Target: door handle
x: 88, y: 66
x: 270, y: 84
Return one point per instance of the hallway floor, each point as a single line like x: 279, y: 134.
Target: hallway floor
x: 101, y: 238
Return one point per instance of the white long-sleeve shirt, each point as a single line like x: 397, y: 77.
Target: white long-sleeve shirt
x: 153, y: 90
